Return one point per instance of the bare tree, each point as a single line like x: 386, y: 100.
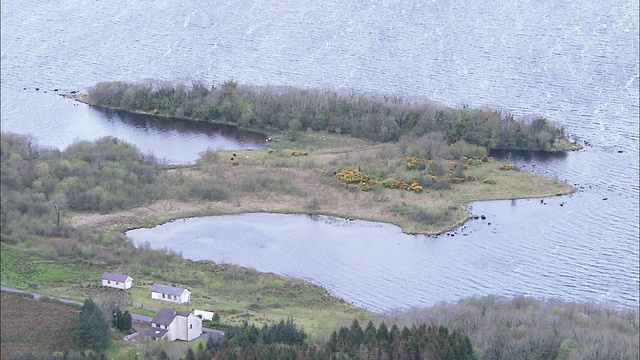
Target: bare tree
x: 58, y: 203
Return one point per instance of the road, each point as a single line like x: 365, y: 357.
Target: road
x: 134, y: 317
x: 38, y: 296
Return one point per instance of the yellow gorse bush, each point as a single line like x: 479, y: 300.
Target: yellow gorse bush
x: 352, y: 176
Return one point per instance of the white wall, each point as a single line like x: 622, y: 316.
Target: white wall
x: 185, y: 297
x: 114, y: 284
x: 118, y: 285
x: 185, y: 328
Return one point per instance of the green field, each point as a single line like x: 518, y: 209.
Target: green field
x: 225, y: 289
x: 19, y: 269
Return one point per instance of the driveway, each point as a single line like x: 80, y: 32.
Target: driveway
x: 38, y: 296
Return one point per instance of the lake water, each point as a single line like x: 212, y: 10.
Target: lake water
x: 575, y: 63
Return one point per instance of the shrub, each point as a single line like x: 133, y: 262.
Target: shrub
x: 208, y: 190
x: 462, y: 149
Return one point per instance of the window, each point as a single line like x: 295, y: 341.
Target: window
x: 164, y: 296
x: 117, y: 283
x: 190, y: 326
x: 108, y: 281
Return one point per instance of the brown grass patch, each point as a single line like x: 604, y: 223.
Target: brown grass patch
x: 35, y: 326
x: 285, y: 183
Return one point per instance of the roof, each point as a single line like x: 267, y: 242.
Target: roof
x: 156, y: 333
x: 206, y: 315
x: 166, y: 315
x: 166, y: 289
x: 115, y: 277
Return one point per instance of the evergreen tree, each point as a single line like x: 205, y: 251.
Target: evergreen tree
x: 394, y: 333
x: 370, y: 334
x: 163, y: 355
x: 191, y: 355
x: 383, y: 335
x: 92, y: 330
x: 283, y: 332
x: 201, y: 353
x: 212, y: 343
x: 356, y: 333
x: 332, y: 343
x: 128, y: 321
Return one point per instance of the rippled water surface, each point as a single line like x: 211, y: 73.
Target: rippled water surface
x: 575, y: 63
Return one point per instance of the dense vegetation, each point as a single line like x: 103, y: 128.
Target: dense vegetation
x: 39, y: 185
x: 482, y: 328
x: 527, y: 328
x: 92, y: 329
x: 369, y: 117
x: 353, y: 342
x: 284, y: 332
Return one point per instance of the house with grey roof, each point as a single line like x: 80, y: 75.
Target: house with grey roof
x: 170, y: 293
x: 117, y: 281
x: 171, y: 325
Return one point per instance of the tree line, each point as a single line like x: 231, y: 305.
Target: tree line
x: 524, y: 327
x: 286, y: 341
x: 489, y: 327
x: 284, y: 332
x: 377, y: 118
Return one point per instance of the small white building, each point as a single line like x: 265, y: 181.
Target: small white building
x: 117, y: 281
x: 204, y: 315
x: 170, y: 293
x: 171, y: 325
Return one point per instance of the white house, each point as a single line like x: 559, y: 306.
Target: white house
x: 170, y: 293
x: 117, y: 281
x: 174, y: 325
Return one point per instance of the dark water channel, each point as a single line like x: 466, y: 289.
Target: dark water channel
x: 74, y: 121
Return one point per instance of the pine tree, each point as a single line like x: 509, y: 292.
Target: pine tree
x: 356, y: 333
x: 370, y: 335
x: 128, y: 321
x: 92, y: 330
x: 163, y: 355
x: 191, y: 355
x: 383, y: 335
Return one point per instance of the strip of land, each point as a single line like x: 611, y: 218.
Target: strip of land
x: 281, y: 181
